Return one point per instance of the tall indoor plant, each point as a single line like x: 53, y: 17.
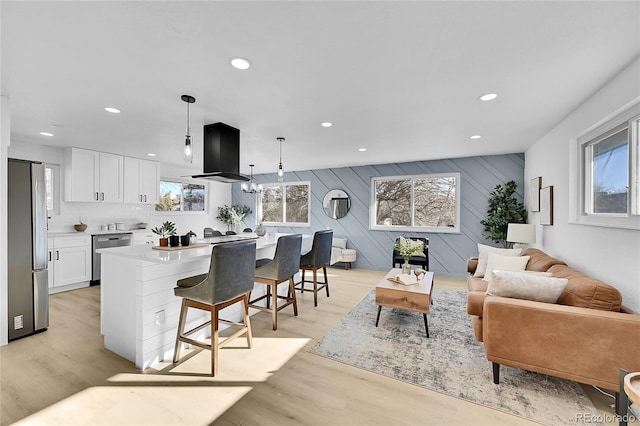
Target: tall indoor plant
x: 504, y: 208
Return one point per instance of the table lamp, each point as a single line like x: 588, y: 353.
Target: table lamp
x: 521, y: 234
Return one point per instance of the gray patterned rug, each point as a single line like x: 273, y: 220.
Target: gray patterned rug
x: 448, y: 361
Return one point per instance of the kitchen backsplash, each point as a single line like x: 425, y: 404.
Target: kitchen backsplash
x: 95, y: 215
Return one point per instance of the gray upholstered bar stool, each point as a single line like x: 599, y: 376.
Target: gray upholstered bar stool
x: 318, y: 257
x: 229, y: 281
x: 271, y: 272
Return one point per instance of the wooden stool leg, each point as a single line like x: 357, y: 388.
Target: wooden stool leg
x: 326, y: 281
x: 292, y: 292
x: 247, y: 321
x: 183, y: 317
x: 315, y: 287
x: 214, y: 340
x: 302, y: 282
x: 274, y: 308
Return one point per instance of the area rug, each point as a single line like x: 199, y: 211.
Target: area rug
x: 451, y: 361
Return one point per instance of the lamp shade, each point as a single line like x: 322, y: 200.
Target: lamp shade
x: 521, y: 233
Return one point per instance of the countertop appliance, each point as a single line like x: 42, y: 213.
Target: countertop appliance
x: 28, y: 287
x: 106, y: 241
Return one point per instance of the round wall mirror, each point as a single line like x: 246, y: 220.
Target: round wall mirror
x: 336, y: 204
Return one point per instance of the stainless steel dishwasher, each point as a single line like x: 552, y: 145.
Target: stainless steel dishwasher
x: 106, y: 241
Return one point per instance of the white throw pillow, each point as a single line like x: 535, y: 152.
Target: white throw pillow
x: 517, y: 285
x: 490, y: 276
x: 512, y: 263
x: 483, y: 253
x: 340, y: 243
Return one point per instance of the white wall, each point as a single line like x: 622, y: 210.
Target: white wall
x: 4, y: 142
x: 609, y: 254
x: 96, y: 214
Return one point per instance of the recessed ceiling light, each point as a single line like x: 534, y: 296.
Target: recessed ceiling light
x: 151, y: 154
x: 362, y: 149
x: 488, y: 96
x: 112, y: 110
x: 46, y: 134
x: 475, y: 137
x: 241, y: 63
x: 326, y: 124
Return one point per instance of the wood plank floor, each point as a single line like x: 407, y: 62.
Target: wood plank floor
x: 65, y: 376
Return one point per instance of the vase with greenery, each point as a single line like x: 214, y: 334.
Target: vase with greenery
x: 504, y: 208
x: 407, y: 248
x: 167, y: 229
x: 231, y: 216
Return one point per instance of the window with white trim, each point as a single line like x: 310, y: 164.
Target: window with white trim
x: 182, y: 196
x: 420, y: 203
x: 284, y: 204
x: 609, y: 176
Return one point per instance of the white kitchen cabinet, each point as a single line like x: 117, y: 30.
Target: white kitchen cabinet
x: 141, y: 181
x: 92, y: 176
x: 69, y: 262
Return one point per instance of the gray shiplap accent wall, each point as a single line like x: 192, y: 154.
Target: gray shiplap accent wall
x: 448, y: 253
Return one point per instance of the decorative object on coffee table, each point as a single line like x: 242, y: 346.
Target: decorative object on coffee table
x: 407, y: 248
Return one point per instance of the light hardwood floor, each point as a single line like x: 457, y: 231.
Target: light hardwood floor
x: 65, y: 376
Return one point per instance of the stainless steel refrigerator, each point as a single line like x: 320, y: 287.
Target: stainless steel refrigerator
x: 28, y: 294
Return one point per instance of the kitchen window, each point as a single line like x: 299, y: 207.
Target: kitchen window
x: 179, y: 196
x: 52, y: 186
x: 285, y: 204
x: 609, y: 178
x: 419, y: 203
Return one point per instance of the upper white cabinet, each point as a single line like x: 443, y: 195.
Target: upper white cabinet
x: 141, y: 181
x: 93, y: 176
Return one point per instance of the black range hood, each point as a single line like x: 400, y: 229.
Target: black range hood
x: 221, y: 144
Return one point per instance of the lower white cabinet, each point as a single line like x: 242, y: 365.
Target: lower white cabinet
x: 69, y: 262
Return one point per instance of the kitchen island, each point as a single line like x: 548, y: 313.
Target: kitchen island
x: 138, y: 309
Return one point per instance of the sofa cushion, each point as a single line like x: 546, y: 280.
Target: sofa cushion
x: 339, y: 242
x: 586, y: 292
x: 539, y: 260
x: 497, y: 261
x: 528, y: 286
x: 483, y: 255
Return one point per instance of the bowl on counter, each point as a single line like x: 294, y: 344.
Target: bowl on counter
x: 141, y: 225
x: 80, y: 227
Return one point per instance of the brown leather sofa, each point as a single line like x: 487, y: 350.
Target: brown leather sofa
x: 587, y: 336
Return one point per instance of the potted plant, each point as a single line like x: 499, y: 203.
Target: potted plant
x: 233, y: 215
x: 504, y: 208
x: 407, y: 248
x: 167, y: 229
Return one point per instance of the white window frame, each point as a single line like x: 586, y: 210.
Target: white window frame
x: 56, y: 184
x: 628, y: 116
x: 184, y: 212
x: 284, y: 204
x: 439, y: 230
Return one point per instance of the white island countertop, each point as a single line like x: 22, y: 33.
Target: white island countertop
x: 148, y: 254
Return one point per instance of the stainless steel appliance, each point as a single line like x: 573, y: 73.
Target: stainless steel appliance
x: 28, y: 288
x: 106, y: 241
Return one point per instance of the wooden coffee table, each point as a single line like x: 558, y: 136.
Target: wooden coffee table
x: 414, y: 297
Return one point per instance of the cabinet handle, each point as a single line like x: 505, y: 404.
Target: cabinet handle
x: 97, y: 199
x: 145, y: 198
x: 57, y: 255
x: 102, y: 196
x: 50, y: 256
x: 140, y: 196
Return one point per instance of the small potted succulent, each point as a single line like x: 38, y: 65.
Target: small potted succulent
x: 167, y: 229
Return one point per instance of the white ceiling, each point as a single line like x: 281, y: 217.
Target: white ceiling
x: 401, y: 79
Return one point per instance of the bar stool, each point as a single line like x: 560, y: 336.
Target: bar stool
x: 316, y: 258
x: 285, y: 264
x: 229, y: 281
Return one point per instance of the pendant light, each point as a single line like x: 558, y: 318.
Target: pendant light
x: 280, y: 171
x: 188, y: 150
x: 251, y: 187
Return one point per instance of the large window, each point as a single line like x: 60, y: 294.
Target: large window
x: 609, y: 177
x: 422, y: 203
x: 177, y: 196
x: 285, y: 204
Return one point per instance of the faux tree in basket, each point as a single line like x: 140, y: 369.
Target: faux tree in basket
x: 165, y: 230
x: 504, y: 208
